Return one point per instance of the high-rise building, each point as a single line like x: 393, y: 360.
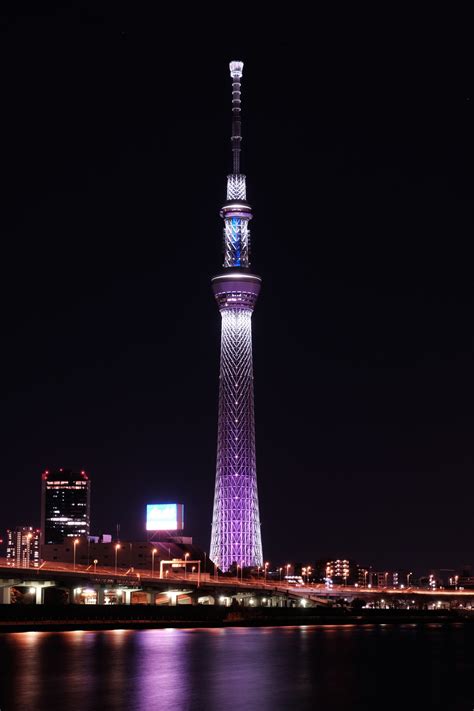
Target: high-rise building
x: 236, y: 536
x: 65, y: 505
x: 23, y: 547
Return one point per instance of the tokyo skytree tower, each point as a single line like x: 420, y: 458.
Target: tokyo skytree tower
x: 236, y: 536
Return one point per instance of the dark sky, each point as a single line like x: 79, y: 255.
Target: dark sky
x: 358, y: 151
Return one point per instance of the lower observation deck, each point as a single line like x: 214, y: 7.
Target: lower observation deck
x: 236, y: 289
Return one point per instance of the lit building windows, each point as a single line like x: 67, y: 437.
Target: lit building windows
x: 65, y: 505
x: 23, y: 546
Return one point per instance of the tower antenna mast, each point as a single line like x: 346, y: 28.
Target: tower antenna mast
x: 236, y: 139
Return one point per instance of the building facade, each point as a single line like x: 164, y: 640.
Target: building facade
x: 23, y: 547
x: 336, y: 571
x: 65, y: 505
x: 339, y: 570
x: 236, y: 537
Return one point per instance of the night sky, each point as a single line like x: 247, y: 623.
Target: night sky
x: 359, y: 161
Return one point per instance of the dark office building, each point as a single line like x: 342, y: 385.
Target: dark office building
x: 65, y: 505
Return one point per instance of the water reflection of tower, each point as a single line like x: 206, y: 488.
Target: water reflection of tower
x: 236, y: 536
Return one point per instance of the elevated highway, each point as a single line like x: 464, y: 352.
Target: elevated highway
x: 104, y: 585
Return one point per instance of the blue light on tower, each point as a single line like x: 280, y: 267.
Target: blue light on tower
x: 236, y: 240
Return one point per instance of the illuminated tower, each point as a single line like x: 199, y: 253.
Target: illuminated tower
x: 236, y: 534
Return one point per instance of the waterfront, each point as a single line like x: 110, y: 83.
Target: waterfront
x: 425, y: 666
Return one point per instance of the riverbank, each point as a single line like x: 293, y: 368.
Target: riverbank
x: 22, y: 618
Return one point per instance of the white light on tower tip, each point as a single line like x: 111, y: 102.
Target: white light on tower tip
x: 236, y: 69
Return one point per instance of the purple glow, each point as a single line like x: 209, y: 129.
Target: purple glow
x: 236, y: 534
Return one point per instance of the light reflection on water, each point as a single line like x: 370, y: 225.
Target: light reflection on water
x: 268, y: 668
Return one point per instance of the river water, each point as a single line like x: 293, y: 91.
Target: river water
x: 381, y: 667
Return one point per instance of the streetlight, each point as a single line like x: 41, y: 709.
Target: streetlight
x: 280, y: 569
x: 242, y: 576
x: 303, y: 573
x: 408, y: 579
x: 117, y: 548
x: 186, y: 556
x: 265, y: 573
x: 237, y: 572
x: 95, y: 565
x: 288, y: 566
x: 75, y: 544
x: 153, y: 553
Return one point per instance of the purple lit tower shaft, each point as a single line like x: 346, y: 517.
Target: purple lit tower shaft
x: 236, y: 536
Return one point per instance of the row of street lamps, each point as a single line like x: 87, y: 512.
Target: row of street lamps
x: 305, y: 571
x: 95, y: 561
x: 264, y: 568
x: 118, y: 547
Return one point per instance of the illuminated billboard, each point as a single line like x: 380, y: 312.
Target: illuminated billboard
x: 165, y: 517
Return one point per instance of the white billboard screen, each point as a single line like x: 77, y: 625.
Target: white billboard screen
x: 164, y: 517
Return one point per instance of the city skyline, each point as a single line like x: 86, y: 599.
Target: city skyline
x: 359, y: 173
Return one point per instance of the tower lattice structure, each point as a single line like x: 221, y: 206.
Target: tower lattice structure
x: 236, y: 537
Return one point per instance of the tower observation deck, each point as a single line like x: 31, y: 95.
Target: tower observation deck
x: 236, y: 537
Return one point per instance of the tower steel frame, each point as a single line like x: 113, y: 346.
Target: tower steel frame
x: 236, y: 536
